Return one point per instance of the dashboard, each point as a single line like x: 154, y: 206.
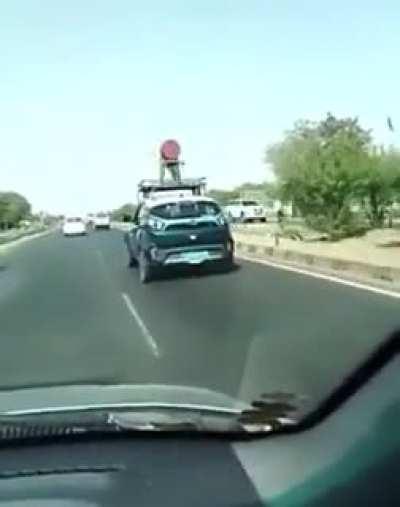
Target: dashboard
x: 349, y: 457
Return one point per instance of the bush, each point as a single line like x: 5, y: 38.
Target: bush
x: 291, y: 233
x: 348, y: 231
x: 343, y: 227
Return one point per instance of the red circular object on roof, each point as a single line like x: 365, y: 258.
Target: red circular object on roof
x: 170, y: 150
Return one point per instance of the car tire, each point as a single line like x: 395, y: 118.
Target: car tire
x: 133, y: 262
x: 227, y: 264
x: 145, y: 269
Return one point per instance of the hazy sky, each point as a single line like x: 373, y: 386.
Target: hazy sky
x: 89, y: 88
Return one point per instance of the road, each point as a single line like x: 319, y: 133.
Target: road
x: 72, y: 312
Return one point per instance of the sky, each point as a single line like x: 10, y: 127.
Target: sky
x: 90, y: 88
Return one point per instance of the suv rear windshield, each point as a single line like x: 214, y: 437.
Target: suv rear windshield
x: 185, y: 209
x: 74, y: 219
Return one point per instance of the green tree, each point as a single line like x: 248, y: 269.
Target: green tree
x: 319, y: 166
x: 380, y: 184
x: 13, y: 208
x: 223, y: 196
x: 125, y: 213
x: 3, y: 210
x: 266, y: 189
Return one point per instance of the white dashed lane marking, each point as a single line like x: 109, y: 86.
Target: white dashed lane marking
x: 146, y: 333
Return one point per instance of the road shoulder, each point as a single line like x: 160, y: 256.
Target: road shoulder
x: 345, y: 278
x: 20, y: 240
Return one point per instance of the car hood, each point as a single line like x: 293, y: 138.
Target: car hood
x: 37, y: 400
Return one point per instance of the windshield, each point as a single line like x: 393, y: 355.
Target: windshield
x: 186, y: 209
x: 199, y: 201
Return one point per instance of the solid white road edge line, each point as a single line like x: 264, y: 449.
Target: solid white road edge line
x: 328, y: 278
x: 146, y: 333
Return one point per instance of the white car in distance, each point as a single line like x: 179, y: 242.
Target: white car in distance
x: 101, y: 221
x: 243, y: 210
x: 74, y: 226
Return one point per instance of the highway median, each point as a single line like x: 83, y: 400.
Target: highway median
x: 380, y: 275
x: 15, y: 236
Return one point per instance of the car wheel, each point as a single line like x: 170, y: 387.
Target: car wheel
x: 227, y: 263
x: 227, y: 266
x: 145, y: 270
x: 132, y: 262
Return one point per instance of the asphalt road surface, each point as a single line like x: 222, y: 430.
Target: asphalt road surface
x: 71, y: 311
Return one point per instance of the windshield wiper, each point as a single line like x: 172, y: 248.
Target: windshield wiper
x: 179, y: 420
x: 248, y: 421
x: 61, y: 424
x: 269, y: 414
x: 274, y: 411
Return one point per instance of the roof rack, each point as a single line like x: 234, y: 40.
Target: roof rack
x: 151, y: 189
x: 186, y: 183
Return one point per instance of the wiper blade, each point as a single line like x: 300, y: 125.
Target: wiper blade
x: 271, y: 413
x: 175, y: 421
x: 171, y: 420
x: 264, y: 416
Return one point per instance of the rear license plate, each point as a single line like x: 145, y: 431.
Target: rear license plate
x: 194, y: 257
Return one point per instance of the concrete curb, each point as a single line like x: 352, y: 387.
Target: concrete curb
x: 314, y: 262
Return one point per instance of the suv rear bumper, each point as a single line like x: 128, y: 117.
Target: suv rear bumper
x: 101, y: 226
x: 191, y: 255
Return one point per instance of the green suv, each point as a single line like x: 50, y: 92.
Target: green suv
x: 171, y: 231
